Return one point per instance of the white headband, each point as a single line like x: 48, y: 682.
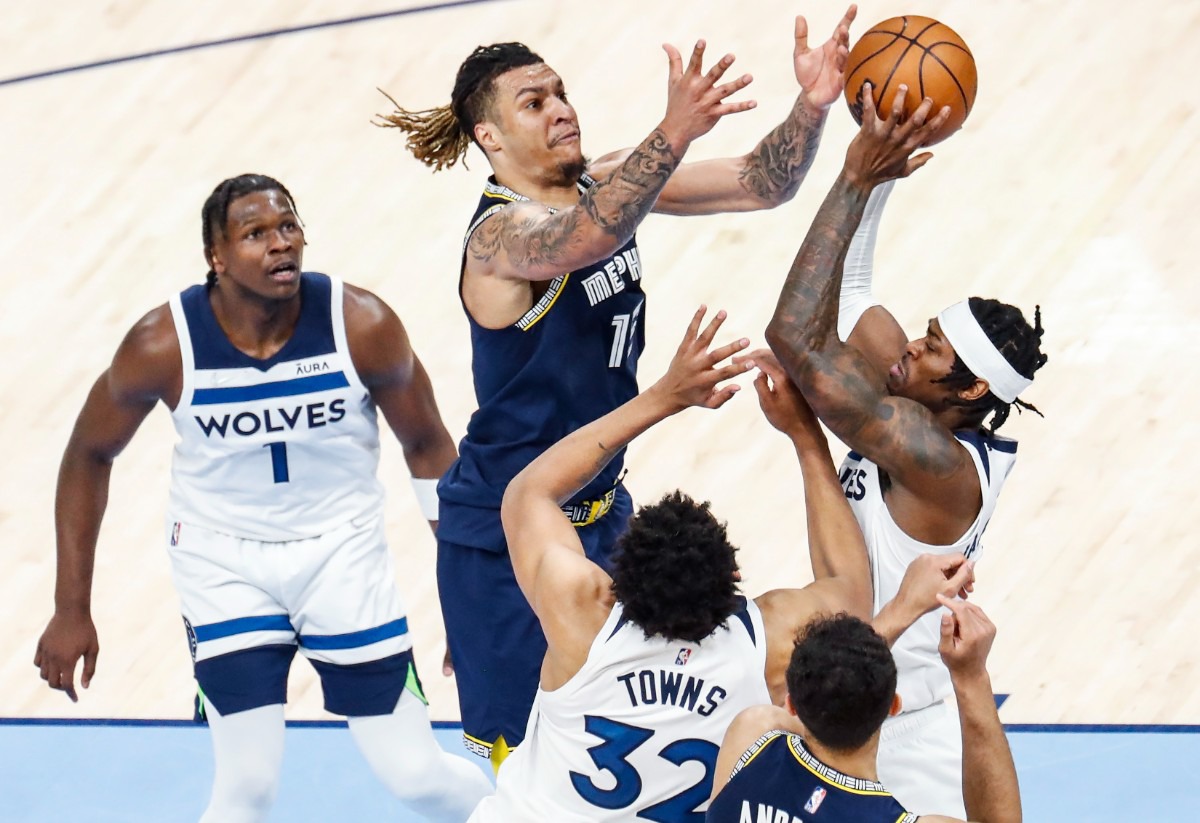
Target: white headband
x: 983, y: 359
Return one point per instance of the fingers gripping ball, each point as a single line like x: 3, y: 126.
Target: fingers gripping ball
x: 921, y: 53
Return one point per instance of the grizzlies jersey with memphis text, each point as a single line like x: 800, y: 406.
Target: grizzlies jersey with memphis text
x: 635, y: 733
x: 279, y: 449
x: 779, y: 780
x: 922, y: 677
x: 570, y: 360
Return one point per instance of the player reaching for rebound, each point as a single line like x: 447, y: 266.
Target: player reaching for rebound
x: 551, y: 285
x: 647, y: 667
x: 923, y: 474
x: 275, y: 524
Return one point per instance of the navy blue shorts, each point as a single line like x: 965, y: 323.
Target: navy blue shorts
x: 494, y: 637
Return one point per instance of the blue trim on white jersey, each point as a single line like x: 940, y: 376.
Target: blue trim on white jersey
x: 312, y: 337
x: 263, y: 391
x: 354, y: 640
x: 241, y: 625
x: 744, y: 616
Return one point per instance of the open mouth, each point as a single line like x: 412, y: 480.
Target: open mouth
x: 285, y: 272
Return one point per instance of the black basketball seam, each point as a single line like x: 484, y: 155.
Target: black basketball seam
x: 942, y: 63
x: 895, y: 36
x: 900, y: 59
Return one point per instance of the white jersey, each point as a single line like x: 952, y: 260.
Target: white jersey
x: 635, y: 733
x: 278, y: 449
x: 923, y: 678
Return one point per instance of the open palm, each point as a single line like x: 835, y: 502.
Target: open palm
x: 821, y: 71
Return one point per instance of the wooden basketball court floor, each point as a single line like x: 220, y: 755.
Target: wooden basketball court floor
x: 1071, y: 186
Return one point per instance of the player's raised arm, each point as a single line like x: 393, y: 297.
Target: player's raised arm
x: 771, y: 173
x: 547, y: 556
x: 526, y: 242
x: 847, y: 393
x: 401, y: 389
x: 146, y: 369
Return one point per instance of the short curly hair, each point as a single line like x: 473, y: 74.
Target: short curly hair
x: 841, y: 681
x: 674, y: 571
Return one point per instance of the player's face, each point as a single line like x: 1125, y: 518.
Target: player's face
x: 538, y: 127
x: 262, y: 246
x: 925, y: 360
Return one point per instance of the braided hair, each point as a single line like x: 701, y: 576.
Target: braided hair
x: 440, y: 137
x: 1019, y: 343
x: 215, y: 214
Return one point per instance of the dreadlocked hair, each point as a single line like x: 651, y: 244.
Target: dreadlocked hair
x: 440, y: 137
x: 1019, y: 343
x: 674, y: 570
x: 215, y: 214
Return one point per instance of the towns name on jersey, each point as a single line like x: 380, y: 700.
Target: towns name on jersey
x: 650, y: 687
x: 610, y: 280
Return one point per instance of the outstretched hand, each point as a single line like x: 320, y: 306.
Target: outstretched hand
x: 782, y: 403
x: 694, y: 100
x: 882, y: 149
x: 821, y: 72
x: 931, y: 577
x: 967, y: 636
x: 694, y: 376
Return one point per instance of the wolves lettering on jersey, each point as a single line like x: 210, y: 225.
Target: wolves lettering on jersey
x: 635, y: 733
x: 779, y: 780
x: 278, y: 449
x: 923, y: 679
x: 571, y: 359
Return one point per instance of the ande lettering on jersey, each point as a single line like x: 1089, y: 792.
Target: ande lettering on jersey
x: 766, y: 814
x: 659, y: 687
x: 248, y: 423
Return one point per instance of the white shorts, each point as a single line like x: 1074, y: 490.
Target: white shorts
x: 920, y: 760
x: 335, y: 595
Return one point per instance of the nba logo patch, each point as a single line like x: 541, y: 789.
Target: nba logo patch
x: 175, y: 534
x: 814, y: 802
x: 681, y: 659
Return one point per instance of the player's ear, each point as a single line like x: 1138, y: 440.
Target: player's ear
x: 974, y: 391
x: 214, y: 260
x: 787, y: 704
x: 487, y: 135
x: 897, y: 705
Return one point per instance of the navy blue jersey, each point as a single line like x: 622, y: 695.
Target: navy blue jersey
x: 779, y: 780
x: 570, y: 360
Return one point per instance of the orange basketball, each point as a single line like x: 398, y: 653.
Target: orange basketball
x: 921, y: 53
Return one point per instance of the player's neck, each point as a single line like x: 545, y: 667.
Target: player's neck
x: 254, y: 325
x: 858, y: 763
x: 558, y: 194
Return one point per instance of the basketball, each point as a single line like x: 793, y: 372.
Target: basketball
x: 927, y: 56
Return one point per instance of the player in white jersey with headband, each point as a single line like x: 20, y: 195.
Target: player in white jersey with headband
x: 924, y: 474
x: 275, y: 523
x: 646, y: 669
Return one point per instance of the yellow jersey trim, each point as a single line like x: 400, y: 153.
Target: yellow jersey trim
x: 854, y: 785
x: 543, y: 306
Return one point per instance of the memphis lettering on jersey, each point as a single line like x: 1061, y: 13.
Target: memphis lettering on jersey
x: 765, y: 814
x: 650, y: 687
x: 604, y: 283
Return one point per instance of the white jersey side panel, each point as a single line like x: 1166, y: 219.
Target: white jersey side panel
x: 635, y: 733
x: 923, y: 679
x: 274, y: 450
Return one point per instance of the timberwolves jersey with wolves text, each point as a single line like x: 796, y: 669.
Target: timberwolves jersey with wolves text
x: 923, y: 678
x: 635, y: 733
x: 570, y: 360
x: 780, y: 781
x: 279, y: 449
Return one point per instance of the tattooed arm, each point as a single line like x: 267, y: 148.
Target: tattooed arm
x: 772, y: 172
x: 526, y: 241
x: 845, y: 391
x: 570, y: 594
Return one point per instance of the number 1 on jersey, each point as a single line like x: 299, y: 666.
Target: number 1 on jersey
x: 624, y: 329
x: 278, y: 460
